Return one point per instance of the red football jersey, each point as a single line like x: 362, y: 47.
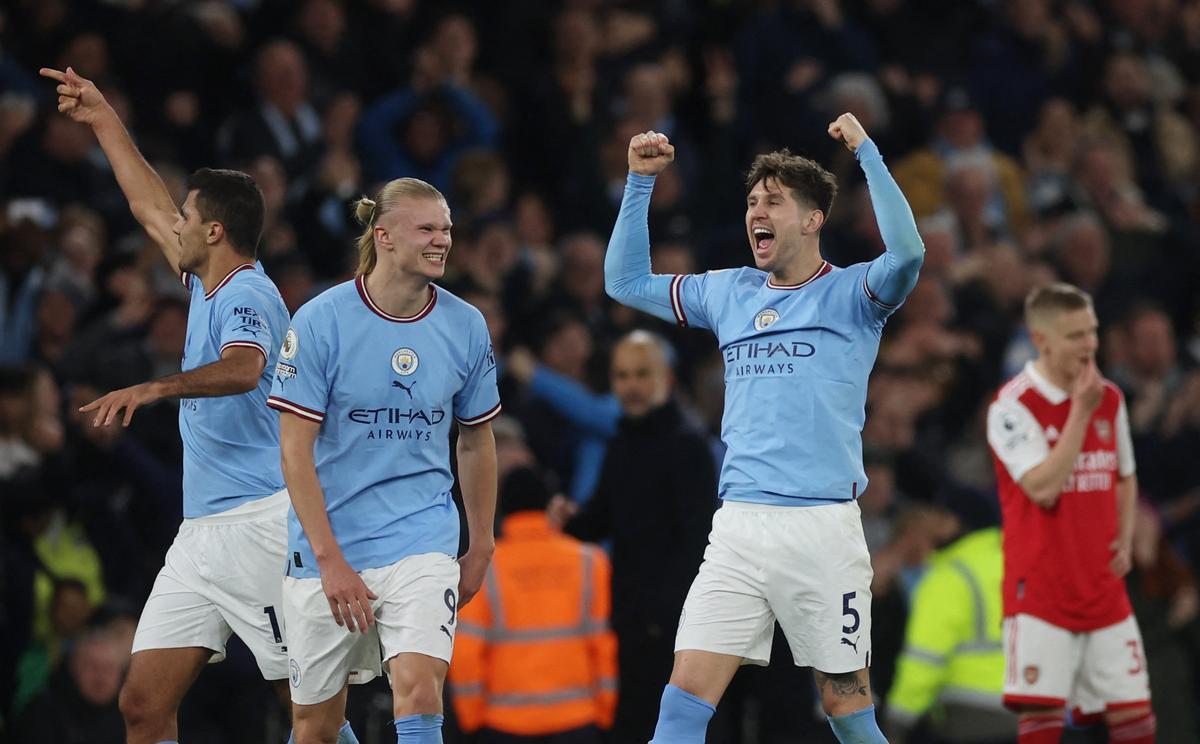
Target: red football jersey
x: 1056, y: 561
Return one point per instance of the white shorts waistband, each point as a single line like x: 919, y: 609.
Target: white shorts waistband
x: 751, y: 506
x: 265, y: 508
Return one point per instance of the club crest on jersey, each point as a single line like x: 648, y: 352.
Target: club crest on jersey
x: 765, y: 319
x: 294, y: 668
x: 405, y: 361
x: 290, y: 346
x: 1031, y: 674
x: 1103, y: 430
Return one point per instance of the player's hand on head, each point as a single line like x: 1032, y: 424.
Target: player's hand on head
x: 650, y: 153
x: 78, y: 97
x: 847, y: 130
x: 348, y: 595
x: 1088, y: 389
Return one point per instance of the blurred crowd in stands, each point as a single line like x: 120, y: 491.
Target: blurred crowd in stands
x: 1035, y: 139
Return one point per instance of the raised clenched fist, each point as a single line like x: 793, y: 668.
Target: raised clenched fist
x: 847, y: 129
x: 650, y: 153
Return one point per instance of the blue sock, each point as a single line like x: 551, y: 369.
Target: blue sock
x: 682, y: 718
x: 345, y: 735
x: 857, y: 728
x: 425, y: 728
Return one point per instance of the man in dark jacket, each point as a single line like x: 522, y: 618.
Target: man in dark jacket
x: 654, y: 501
x: 80, y: 705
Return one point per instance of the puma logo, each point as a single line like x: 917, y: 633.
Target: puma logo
x: 406, y: 388
x: 852, y: 644
x: 447, y: 633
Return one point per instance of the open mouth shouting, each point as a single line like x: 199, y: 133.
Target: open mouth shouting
x: 764, y: 239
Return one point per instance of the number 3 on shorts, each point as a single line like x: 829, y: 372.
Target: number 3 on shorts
x: 848, y: 610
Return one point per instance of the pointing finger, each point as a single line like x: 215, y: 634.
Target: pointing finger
x: 53, y: 74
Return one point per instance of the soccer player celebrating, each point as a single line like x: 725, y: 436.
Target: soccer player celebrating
x: 799, y: 338
x: 222, y: 573
x: 371, y: 373
x: 1059, y: 433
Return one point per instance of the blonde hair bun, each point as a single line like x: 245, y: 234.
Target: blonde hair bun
x: 364, y: 210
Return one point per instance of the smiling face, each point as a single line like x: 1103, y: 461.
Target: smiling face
x: 418, y: 232
x: 776, y: 223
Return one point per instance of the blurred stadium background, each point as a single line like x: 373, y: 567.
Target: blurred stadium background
x: 1035, y: 139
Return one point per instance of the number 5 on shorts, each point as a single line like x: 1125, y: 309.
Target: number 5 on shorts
x: 848, y: 610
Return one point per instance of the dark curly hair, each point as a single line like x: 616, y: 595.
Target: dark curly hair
x: 809, y: 182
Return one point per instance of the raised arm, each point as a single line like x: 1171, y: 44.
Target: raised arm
x: 627, y: 277
x: 893, y: 275
x: 148, y: 197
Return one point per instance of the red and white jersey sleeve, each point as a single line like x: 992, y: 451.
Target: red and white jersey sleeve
x: 1019, y: 441
x: 1016, y: 437
x: 1126, y: 465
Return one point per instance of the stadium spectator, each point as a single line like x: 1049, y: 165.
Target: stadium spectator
x: 80, y: 704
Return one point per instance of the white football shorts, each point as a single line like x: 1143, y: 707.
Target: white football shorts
x: 1046, y: 665
x: 807, y: 567
x: 223, y: 574
x: 416, y: 612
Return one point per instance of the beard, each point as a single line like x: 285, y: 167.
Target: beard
x: 190, y: 262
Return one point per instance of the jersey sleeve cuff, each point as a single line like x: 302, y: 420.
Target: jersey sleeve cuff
x: 875, y: 298
x: 482, y: 418
x: 677, y: 301
x: 640, y: 181
x: 248, y: 345
x: 287, y: 406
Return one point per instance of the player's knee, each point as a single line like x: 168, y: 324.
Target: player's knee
x: 140, y: 708
x: 416, y: 696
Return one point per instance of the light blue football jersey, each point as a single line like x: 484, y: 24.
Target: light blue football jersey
x: 231, y: 443
x: 797, y: 361
x: 797, y: 357
x: 384, y: 390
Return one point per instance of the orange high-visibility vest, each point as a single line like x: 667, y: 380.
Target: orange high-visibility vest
x: 534, y: 654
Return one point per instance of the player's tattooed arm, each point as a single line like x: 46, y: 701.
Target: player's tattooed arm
x: 846, y: 684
